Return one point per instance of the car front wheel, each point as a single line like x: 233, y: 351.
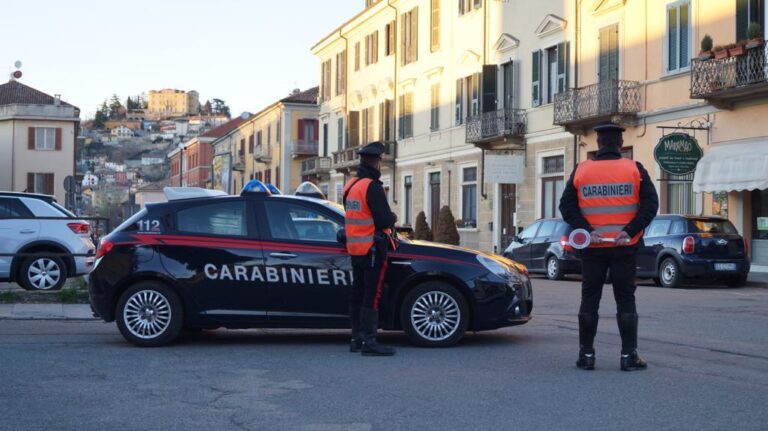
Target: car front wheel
x: 434, y: 314
x: 149, y: 314
x: 42, y: 273
x: 554, y: 269
x: 669, y: 274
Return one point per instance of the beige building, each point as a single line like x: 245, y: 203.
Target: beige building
x: 270, y: 145
x: 172, y: 103
x: 37, y: 140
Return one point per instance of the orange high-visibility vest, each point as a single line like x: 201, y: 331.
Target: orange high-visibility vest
x: 358, y: 219
x: 609, y: 196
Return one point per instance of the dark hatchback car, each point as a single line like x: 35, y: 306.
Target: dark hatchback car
x: 262, y: 260
x: 543, y: 248
x: 680, y: 248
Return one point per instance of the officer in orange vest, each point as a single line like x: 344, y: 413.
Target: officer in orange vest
x: 614, y: 199
x: 367, y: 222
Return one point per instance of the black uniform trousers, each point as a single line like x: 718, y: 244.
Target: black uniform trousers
x: 595, y: 263
x: 369, y: 272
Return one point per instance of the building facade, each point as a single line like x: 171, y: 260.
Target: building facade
x: 172, y: 103
x: 37, y: 139
x: 270, y: 145
x: 191, y: 164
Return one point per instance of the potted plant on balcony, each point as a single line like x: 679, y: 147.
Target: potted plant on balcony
x: 755, y: 35
x: 736, y: 49
x: 720, y: 52
x: 706, y: 48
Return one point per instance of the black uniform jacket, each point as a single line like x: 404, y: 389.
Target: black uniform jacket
x: 649, y: 200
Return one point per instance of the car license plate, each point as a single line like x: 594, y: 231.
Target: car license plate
x: 725, y: 267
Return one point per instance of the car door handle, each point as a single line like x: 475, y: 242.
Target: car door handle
x: 27, y: 231
x: 280, y: 255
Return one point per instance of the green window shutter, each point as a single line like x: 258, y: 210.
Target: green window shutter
x: 536, y: 78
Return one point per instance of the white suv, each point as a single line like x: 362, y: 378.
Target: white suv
x: 41, y: 243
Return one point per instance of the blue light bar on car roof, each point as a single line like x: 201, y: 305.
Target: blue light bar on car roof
x: 255, y: 186
x: 274, y: 190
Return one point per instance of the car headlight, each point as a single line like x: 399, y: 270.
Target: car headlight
x: 495, y: 267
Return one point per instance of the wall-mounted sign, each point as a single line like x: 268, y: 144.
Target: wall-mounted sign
x: 504, y: 167
x: 678, y: 153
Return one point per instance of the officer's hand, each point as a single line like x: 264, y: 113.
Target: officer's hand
x: 623, y: 238
x: 596, y: 238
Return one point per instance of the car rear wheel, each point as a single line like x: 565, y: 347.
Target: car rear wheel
x: 669, y: 274
x: 434, y: 314
x: 149, y: 314
x: 738, y: 281
x: 554, y: 269
x: 42, y: 273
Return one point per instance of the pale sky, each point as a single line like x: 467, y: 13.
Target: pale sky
x: 246, y: 52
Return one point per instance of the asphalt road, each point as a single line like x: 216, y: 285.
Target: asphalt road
x: 707, y: 350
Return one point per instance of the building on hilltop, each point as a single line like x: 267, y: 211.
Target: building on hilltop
x: 37, y: 140
x: 169, y: 103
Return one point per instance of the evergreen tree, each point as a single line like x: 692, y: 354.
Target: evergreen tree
x: 421, y: 230
x: 446, y: 231
x: 101, y: 116
x: 115, y: 107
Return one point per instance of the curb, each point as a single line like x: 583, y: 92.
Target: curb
x: 46, y: 312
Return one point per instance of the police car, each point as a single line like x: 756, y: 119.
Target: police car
x: 208, y: 260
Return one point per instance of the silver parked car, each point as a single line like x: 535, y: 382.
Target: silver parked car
x: 41, y: 243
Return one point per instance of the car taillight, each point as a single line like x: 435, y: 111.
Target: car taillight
x: 104, y: 248
x: 565, y: 243
x: 79, y: 228
x: 688, y: 245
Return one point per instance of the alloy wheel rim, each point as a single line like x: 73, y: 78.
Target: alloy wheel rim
x: 147, y: 314
x: 435, y: 316
x: 668, y: 273
x: 552, y: 267
x: 44, y: 273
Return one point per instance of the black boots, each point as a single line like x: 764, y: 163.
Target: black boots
x: 369, y: 325
x: 630, y: 360
x: 587, y: 331
x: 356, y: 341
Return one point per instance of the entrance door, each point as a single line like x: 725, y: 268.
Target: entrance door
x: 508, y: 195
x: 434, y: 199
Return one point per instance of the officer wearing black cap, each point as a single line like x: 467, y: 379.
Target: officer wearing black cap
x: 368, y: 221
x: 614, y: 199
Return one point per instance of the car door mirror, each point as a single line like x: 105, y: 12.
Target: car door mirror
x: 518, y: 239
x: 341, y: 236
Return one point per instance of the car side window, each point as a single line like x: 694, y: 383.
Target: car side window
x: 296, y: 222
x: 13, y: 208
x: 546, y: 229
x: 678, y: 227
x: 530, y: 231
x: 658, y: 228
x: 220, y: 218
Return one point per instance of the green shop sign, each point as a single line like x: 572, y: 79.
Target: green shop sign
x: 678, y: 153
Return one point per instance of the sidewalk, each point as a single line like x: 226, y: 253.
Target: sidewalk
x: 46, y: 311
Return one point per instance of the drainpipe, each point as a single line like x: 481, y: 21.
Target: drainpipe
x: 576, y: 76
x: 483, y: 194
x: 394, y: 104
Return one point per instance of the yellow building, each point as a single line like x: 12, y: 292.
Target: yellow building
x: 172, y: 103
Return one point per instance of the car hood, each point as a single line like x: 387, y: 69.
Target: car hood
x: 456, y: 252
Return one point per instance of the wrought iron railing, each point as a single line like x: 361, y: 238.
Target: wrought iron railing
x: 496, y: 124
x: 303, y: 147
x: 238, y: 162
x: 712, y: 76
x: 262, y: 153
x: 604, y: 99
x: 347, y: 157
x: 315, y: 166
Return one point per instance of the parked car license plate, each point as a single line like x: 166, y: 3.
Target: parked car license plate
x: 725, y: 267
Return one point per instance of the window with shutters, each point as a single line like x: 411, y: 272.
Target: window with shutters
x: 390, y: 42
x: 340, y: 132
x: 269, y: 133
x: 748, y: 11
x: 354, y: 129
x: 434, y: 25
x: 678, y: 39
x: 469, y: 197
x: 40, y: 183
x: 251, y: 140
x: 466, y: 6
x: 549, y: 73
x: 45, y: 138
x: 409, y: 31
x: 434, y: 110
x: 474, y: 95
x: 608, y: 67
x: 367, y: 124
x: 326, y: 80
x: 325, y: 139
x: 341, y: 72
x: 357, y: 56
x: 406, y: 115
x: 552, y: 185
x: 372, y: 48
x: 508, y: 84
x: 386, y: 117
x: 459, y: 105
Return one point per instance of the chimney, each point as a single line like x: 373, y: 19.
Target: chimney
x: 57, y: 99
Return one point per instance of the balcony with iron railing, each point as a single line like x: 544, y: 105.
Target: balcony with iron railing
x: 347, y: 158
x: 315, y: 166
x: 500, y: 125
x: 303, y: 147
x: 238, y: 162
x: 725, y: 81
x: 580, y: 109
x: 262, y: 153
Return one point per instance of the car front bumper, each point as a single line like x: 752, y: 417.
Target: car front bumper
x: 497, y: 305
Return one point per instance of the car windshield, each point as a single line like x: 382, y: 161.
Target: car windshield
x: 710, y: 226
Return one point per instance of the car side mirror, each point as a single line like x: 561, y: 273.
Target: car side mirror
x: 518, y: 239
x: 341, y: 236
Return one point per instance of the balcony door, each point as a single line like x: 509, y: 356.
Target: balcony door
x: 608, y: 70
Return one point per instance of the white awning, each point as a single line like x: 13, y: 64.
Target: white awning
x: 733, y: 167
